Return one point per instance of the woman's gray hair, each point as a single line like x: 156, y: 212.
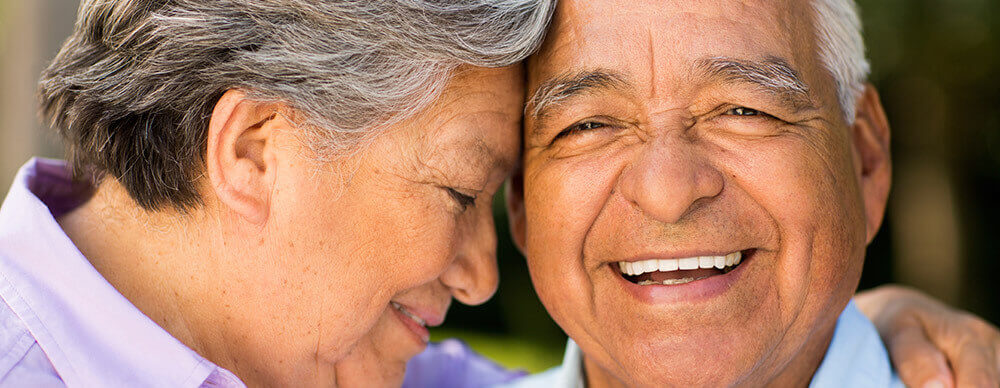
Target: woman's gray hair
x: 842, y: 50
x: 132, y: 89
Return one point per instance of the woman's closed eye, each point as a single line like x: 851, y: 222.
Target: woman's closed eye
x: 464, y: 200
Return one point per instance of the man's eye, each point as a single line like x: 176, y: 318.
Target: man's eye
x: 744, y: 111
x: 588, y: 126
x: 463, y: 200
x: 581, y: 127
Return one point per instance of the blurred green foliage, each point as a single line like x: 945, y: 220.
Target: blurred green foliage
x: 935, y: 63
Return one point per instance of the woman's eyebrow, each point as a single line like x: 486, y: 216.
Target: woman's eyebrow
x: 773, y: 75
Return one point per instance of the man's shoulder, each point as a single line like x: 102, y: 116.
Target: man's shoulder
x: 856, y: 356
x: 569, y: 374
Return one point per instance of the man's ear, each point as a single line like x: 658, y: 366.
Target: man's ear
x: 873, y: 167
x: 240, y: 158
x: 515, y: 209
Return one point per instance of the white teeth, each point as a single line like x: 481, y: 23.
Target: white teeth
x: 668, y: 265
x: 688, y: 263
x: 408, y: 314
x: 635, y: 268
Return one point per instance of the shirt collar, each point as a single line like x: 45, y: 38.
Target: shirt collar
x: 856, y: 357
x: 570, y: 374
x: 91, y: 333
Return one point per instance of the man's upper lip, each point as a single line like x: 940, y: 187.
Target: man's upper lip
x: 680, y: 254
x: 431, y: 316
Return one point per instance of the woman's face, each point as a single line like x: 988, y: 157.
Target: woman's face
x: 367, y: 251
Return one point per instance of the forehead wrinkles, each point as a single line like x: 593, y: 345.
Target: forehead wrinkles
x: 656, y: 41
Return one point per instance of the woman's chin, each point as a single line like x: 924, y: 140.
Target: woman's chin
x: 379, y: 359
x: 387, y: 347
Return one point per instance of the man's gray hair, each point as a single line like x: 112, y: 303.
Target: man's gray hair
x: 842, y: 50
x: 132, y: 89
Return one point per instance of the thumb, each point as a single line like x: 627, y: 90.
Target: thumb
x: 918, y: 361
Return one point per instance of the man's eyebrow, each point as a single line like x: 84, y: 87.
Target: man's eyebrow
x: 567, y: 85
x: 773, y: 75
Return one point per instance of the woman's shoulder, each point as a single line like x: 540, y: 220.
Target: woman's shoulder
x: 22, y: 362
x: 452, y: 363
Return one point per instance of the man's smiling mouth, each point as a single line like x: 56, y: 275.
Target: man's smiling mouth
x: 678, y: 271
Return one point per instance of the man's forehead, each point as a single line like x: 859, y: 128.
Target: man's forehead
x: 734, y: 8
x: 619, y: 33
x: 617, y: 10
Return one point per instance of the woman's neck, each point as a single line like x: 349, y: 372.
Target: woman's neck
x: 151, y: 258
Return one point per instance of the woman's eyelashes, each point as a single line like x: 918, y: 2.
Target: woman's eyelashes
x: 464, y: 200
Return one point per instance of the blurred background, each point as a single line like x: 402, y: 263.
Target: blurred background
x: 935, y: 62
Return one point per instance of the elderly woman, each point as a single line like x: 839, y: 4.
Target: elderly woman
x: 261, y: 192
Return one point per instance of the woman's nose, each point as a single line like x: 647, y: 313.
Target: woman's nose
x: 472, y: 277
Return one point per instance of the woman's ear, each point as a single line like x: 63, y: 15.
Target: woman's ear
x: 240, y: 160
x: 515, y: 209
x: 870, y: 136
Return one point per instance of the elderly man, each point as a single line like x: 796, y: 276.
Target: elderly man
x: 700, y: 180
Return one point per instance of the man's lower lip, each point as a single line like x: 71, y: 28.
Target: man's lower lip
x: 692, y: 292
x: 419, y: 331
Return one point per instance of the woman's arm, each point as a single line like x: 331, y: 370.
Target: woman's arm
x: 930, y: 343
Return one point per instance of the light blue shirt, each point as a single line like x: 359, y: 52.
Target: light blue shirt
x: 61, y: 323
x: 856, y: 358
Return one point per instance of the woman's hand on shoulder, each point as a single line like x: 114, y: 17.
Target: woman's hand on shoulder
x: 930, y: 343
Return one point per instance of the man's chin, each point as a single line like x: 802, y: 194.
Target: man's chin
x: 699, y: 358
x: 717, y: 331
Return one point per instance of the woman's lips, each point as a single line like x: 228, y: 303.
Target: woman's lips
x: 413, y: 322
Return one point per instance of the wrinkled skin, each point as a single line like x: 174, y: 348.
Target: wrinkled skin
x: 288, y: 274
x: 670, y: 160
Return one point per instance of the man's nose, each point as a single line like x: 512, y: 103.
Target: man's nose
x: 669, y: 177
x: 472, y: 277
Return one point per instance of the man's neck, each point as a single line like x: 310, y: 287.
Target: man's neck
x: 800, y: 370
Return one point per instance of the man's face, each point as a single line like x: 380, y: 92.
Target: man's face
x: 669, y: 130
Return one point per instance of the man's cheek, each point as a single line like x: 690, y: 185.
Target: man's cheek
x: 808, y: 197
x: 788, y: 178
x: 564, y: 197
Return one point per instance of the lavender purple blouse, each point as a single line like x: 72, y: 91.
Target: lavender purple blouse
x: 62, y: 324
